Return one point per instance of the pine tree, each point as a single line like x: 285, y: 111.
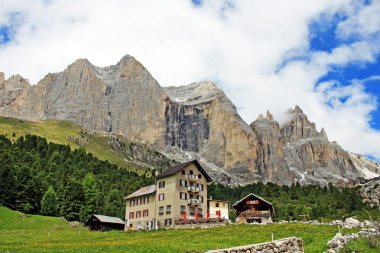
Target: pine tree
x: 72, y: 200
x: 49, y: 203
x: 114, y: 204
x: 91, y: 193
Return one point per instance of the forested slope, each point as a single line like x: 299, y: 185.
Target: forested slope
x: 67, y: 182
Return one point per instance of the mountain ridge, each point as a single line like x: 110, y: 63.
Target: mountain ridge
x: 192, y: 121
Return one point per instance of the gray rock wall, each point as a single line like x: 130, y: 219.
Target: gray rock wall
x: 286, y: 245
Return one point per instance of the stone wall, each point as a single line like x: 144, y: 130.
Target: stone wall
x: 286, y: 245
x: 200, y: 225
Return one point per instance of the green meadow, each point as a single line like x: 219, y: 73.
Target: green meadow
x: 34, y: 233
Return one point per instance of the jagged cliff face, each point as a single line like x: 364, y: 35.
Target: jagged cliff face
x: 192, y: 121
x: 123, y: 99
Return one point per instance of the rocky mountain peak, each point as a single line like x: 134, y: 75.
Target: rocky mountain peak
x: 269, y: 116
x: 16, y: 81
x: 80, y: 64
x: 194, y: 93
x: 297, y: 109
x: 299, y: 127
x: 323, y: 133
x: 129, y: 68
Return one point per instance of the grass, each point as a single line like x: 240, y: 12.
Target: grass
x: 362, y: 245
x: 58, y: 131
x: 34, y: 233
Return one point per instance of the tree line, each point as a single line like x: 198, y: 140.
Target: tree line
x: 298, y: 202
x: 38, y: 177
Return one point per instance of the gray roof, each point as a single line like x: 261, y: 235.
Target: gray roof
x: 109, y: 219
x: 172, y: 170
x: 142, y: 191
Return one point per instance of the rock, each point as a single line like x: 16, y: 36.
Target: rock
x: 191, y: 121
x: 351, y: 223
x: 370, y: 192
x: 75, y: 224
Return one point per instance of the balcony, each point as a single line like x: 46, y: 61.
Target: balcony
x: 193, y: 202
x: 192, y: 177
x: 193, y: 189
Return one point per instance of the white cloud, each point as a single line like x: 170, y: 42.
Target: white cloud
x: 247, y: 47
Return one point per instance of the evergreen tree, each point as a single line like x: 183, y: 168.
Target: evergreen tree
x: 49, y: 204
x: 114, y: 204
x: 91, y: 193
x: 72, y: 201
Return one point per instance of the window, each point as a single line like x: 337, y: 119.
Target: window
x: 216, y: 204
x: 132, y: 203
x: 168, y: 222
x: 199, y: 176
x: 145, y: 213
x: 138, y: 214
x: 191, y: 172
x: 131, y: 215
x: 252, y: 202
x: 191, y: 183
x: 146, y: 200
x: 183, y: 172
x: 161, y: 184
x: 182, y: 209
x: 183, y: 195
x: 200, y: 187
x: 168, y: 209
x: 161, y: 197
x: 192, y: 212
x: 182, y: 183
x: 200, y: 212
x: 139, y: 201
x: 201, y: 199
x: 191, y: 196
x: 161, y: 210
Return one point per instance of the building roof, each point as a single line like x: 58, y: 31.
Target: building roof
x: 249, y: 195
x: 172, y: 170
x: 142, y: 191
x: 109, y: 219
x: 218, y: 200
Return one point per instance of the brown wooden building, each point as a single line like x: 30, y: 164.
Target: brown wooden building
x: 253, y: 209
x: 104, y: 223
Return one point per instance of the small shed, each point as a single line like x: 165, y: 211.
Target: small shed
x: 103, y: 223
x: 253, y: 209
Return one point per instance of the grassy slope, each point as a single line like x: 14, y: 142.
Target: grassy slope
x: 58, y: 131
x: 35, y: 233
x: 361, y: 245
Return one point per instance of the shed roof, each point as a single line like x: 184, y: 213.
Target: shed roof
x: 172, y: 170
x: 109, y: 219
x: 249, y: 195
x: 142, y: 191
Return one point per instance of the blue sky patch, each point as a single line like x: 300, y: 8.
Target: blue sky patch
x: 197, y: 2
x: 323, y: 32
x: 368, y: 73
x: 8, y: 30
x: 5, y: 34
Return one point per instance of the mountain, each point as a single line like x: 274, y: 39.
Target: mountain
x: 192, y: 121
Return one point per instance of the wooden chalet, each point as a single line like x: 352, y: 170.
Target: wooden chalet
x: 104, y: 223
x: 253, y: 209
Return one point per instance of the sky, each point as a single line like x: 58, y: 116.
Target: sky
x: 266, y: 55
